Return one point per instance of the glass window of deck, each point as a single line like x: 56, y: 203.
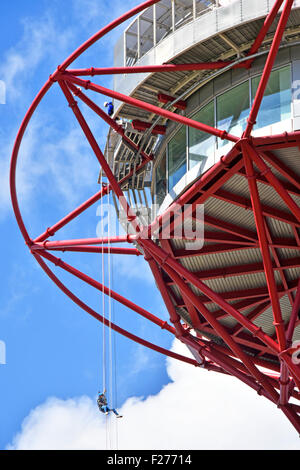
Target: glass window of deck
x: 228, y: 111
x: 161, y: 180
x: 201, y: 144
x: 276, y: 103
x: 233, y: 110
x: 177, y: 157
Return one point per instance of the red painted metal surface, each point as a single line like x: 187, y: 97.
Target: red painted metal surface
x: 163, y: 98
x: 245, y: 346
x: 143, y: 126
x: 88, y: 85
x: 152, y: 68
x: 268, y: 67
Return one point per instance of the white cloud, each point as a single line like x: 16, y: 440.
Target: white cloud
x: 196, y: 410
x: 18, y: 70
x: 95, y: 13
x: 49, y: 162
x: 134, y: 268
x: 2, y: 92
x: 38, y: 43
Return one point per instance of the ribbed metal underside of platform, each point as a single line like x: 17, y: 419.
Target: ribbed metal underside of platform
x: 236, y: 271
x: 233, y: 270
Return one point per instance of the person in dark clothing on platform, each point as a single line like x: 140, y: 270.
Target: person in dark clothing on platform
x: 110, y: 108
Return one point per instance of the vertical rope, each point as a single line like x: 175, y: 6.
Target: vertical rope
x: 109, y: 374
x: 103, y: 311
x: 115, y: 361
x: 112, y: 336
x: 109, y: 316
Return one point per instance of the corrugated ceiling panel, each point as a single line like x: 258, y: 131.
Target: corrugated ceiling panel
x: 219, y: 260
x: 229, y: 213
x: 265, y: 321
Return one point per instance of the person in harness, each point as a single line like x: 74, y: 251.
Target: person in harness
x: 110, y: 108
x: 103, y: 405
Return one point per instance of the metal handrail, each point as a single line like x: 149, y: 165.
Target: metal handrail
x: 134, y: 27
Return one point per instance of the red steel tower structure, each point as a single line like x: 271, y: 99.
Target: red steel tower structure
x: 205, y: 99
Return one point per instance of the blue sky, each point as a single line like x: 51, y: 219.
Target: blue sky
x: 54, y: 350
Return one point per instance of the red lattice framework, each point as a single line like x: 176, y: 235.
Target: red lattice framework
x: 279, y: 380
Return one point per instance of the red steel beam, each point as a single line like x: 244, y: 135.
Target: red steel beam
x: 285, y: 243
x: 111, y: 122
x: 286, y: 138
x: 274, y: 182
x: 245, y: 270
x: 249, y: 344
x: 249, y: 293
x: 212, y: 249
x: 294, y: 316
x: 149, y: 107
x: 41, y: 95
x: 97, y: 151
x: 193, y: 312
x: 163, y: 98
x: 220, y: 355
x: 111, y: 26
x: 259, y: 362
x: 92, y: 71
x: 107, y: 291
x: 240, y: 306
x: 278, y: 263
x: 231, y: 228
x: 261, y: 230
x: 223, y: 166
x: 267, y: 211
x: 108, y: 323
x: 71, y: 216
x: 284, y: 377
x: 212, y: 189
x: 221, y: 331
x: 96, y: 249
x: 59, y: 244
x: 282, y: 168
x: 52, y: 230
x: 263, y: 180
x: 216, y: 298
x: 235, y: 372
x: 284, y: 384
x: 143, y: 126
x: 259, y: 310
x: 125, y: 333
x: 264, y: 30
x: 224, y: 238
x: 99, y: 155
x: 268, y: 67
x: 79, y: 210
x: 174, y: 317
